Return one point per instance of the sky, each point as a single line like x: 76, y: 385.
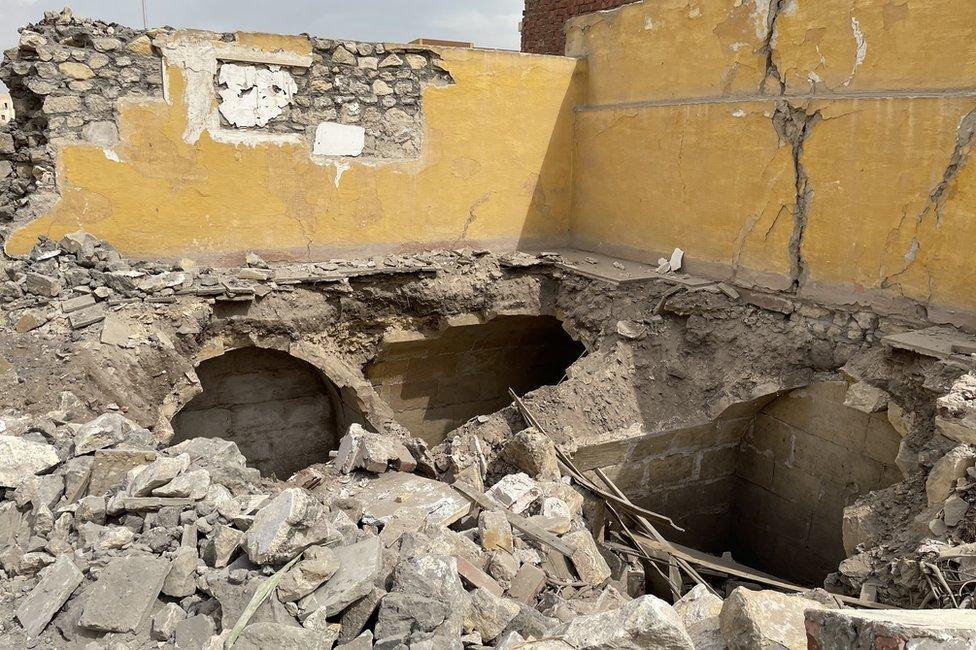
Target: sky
x: 486, y: 23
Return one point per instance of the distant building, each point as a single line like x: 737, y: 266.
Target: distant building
x: 6, y: 108
x: 543, y: 21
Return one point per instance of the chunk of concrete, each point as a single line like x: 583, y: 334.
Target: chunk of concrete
x: 58, y: 582
x: 590, y: 565
x: 534, y: 453
x: 288, y: 525
x: 21, y: 459
x: 426, y: 604
x: 699, y: 610
x: 359, y: 566
x: 411, y: 497
x: 373, y: 452
x: 764, y: 619
x: 645, y: 623
x: 865, y: 398
x: 124, y: 594
x: 941, y: 481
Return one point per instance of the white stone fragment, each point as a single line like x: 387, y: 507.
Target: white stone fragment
x: 334, y: 139
x: 21, y: 459
x: 677, y: 257
x: 515, y: 492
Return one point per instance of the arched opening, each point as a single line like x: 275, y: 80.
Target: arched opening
x: 280, y: 411
x: 435, y: 384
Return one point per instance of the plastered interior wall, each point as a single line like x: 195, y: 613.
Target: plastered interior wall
x: 436, y: 383
x: 278, y: 410
x: 767, y: 481
x: 495, y: 166
x: 873, y: 201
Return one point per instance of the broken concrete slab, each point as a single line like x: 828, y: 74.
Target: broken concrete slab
x: 21, y: 459
x: 58, y: 582
x: 764, y: 619
x: 292, y: 522
x: 645, y: 623
x: 359, y: 567
x: 124, y: 593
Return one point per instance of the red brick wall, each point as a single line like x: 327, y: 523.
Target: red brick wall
x: 543, y: 22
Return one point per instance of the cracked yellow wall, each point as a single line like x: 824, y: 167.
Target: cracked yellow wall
x: 496, y: 169
x: 676, y: 145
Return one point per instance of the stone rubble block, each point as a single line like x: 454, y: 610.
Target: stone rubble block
x: 317, y: 565
x: 58, y: 582
x: 534, y: 453
x: 165, y: 620
x: 860, y: 629
x: 288, y: 525
x: 941, y: 481
x: 956, y: 415
x: 373, y: 452
x: 21, y: 459
x: 109, y: 430
x: 699, y: 610
x: 645, y: 623
x: 495, y: 531
x: 157, y: 474
x: 515, y: 492
x: 124, y: 594
x: 590, y: 565
x: 489, y: 614
x: 764, y: 619
x: 359, y: 567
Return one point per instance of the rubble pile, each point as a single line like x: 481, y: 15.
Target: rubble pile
x: 111, y: 538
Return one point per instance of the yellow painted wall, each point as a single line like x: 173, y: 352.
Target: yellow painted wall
x: 671, y: 153
x: 496, y: 167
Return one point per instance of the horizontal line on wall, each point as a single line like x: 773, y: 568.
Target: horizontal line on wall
x: 740, y: 99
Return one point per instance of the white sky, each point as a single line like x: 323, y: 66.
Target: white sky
x: 486, y: 23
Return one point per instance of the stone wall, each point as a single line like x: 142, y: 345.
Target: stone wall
x: 544, y: 22
x: 437, y: 383
x: 806, y: 457
x: 768, y: 480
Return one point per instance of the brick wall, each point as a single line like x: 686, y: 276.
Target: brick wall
x: 543, y: 21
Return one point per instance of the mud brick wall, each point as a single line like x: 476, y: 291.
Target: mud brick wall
x: 804, y: 459
x: 543, y: 22
x: 435, y: 384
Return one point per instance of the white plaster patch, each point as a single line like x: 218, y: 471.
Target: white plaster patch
x: 341, y: 168
x: 254, y: 96
x: 739, y: 113
x: 111, y: 155
x: 648, y: 23
x: 334, y: 139
x: 862, y: 48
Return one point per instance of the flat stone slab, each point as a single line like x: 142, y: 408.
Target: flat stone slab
x: 619, y: 271
x: 57, y: 583
x: 124, y: 594
x: 938, y: 342
x: 409, y: 496
x: 890, y: 628
x: 359, y: 566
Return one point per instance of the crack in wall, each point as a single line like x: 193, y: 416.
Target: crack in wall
x: 768, y: 46
x: 794, y: 125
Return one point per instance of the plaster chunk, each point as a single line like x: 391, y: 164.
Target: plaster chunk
x: 254, y: 96
x: 334, y: 139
